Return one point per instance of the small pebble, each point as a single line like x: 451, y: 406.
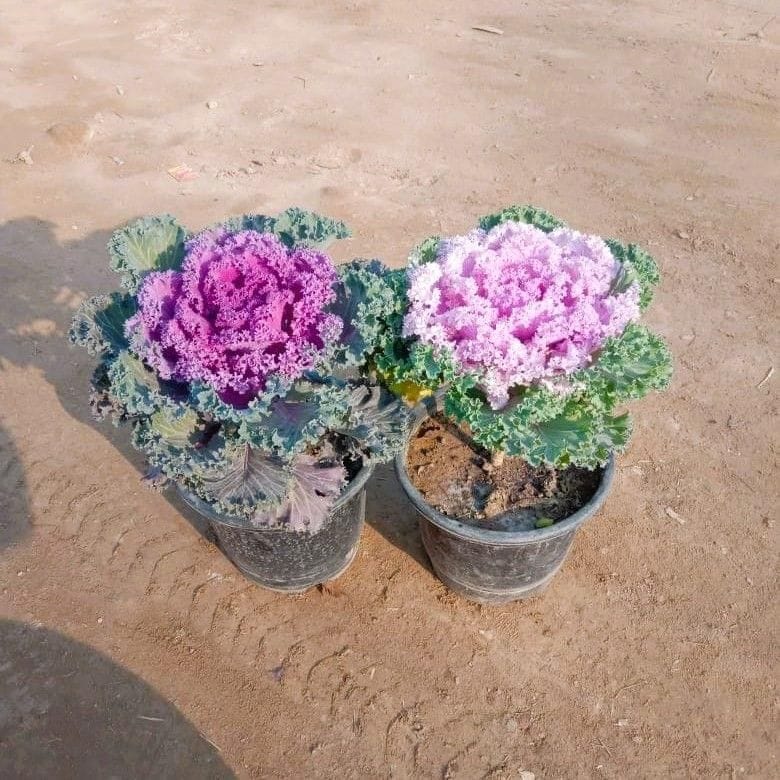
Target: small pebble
x: 682, y: 234
x: 25, y: 156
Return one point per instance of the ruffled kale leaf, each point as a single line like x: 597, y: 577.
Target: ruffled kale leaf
x: 638, y: 266
x: 204, y: 398
x: 375, y: 422
x: 179, y: 427
x: 260, y: 223
x: 102, y: 403
x: 148, y: 244
x: 629, y: 367
x: 179, y: 444
x: 540, y: 425
x: 522, y: 213
x: 425, y: 251
x: 298, y: 419
x: 134, y: 386
x: 99, y: 324
x: 247, y: 481
x: 296, y: 227
x: 315, y: 488
x: 365, y: 301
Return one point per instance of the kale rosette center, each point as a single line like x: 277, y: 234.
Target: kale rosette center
x: 518, y: 306
x: 243, y: 307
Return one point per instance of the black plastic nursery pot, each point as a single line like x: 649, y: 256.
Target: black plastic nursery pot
x: 292, y: 561
x: 489, y: 566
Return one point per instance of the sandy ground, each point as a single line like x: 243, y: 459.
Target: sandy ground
x: 129, y: 647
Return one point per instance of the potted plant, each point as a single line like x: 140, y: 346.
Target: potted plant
x: 524, y: 336
x: 237, y: 358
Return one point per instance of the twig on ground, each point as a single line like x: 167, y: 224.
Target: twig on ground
x: 488, y: 29
x: 767, y: 377
x: 671, y: 513
x: 601, y: 744
x: 628, y: 687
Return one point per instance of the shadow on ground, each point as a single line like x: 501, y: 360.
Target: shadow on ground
x: 389, y: 512
x: 68, y: 711
x: 14, y: 511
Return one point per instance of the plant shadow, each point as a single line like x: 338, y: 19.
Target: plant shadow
x: 66, y: 710
x: 389, y: 512
x: 14, y: 512
x: 36, y: 317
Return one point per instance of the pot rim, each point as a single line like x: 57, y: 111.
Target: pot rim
x: 199, y: 505
x: 473, y: 533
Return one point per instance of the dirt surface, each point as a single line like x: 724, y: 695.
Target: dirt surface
x: 653, y: 652
x: 460, y: 480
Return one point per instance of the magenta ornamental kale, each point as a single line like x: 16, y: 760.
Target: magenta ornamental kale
x: 243, y: 307
x: 240, y: 358
x: 516, y: 305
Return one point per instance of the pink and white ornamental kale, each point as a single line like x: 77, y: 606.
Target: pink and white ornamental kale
x: 518, y: 306
x: 243, y: 307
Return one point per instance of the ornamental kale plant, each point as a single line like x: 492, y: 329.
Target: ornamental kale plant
x: 529, y: 328
x: 238, y: 357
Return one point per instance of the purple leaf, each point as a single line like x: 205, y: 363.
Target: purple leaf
x: 314, y: 491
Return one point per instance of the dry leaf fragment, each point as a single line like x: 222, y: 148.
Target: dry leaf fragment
x: 182, y: 173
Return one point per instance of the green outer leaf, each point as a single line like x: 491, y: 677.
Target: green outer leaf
x: 375, y: 421
x: 102, y: 404
x: 365, y: 302
x: 641, y: 265
x: 136, y: 387
x: 629, y: 367
x: 298, y: 419
x: 99, y: 323
x: 177, y: 427
x: 187, y: 460
x: 148, y: 244
x: 419, y: 364
x: 522, y: 213
x: 425, y: 251
x: 204, y: 398
x: 257, y: 222
x: 296, y: 227
x: 577, y: 427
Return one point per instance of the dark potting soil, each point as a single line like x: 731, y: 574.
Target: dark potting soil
x: 457, y: 478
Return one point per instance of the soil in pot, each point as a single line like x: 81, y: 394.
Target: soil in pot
x: 456, y: 477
